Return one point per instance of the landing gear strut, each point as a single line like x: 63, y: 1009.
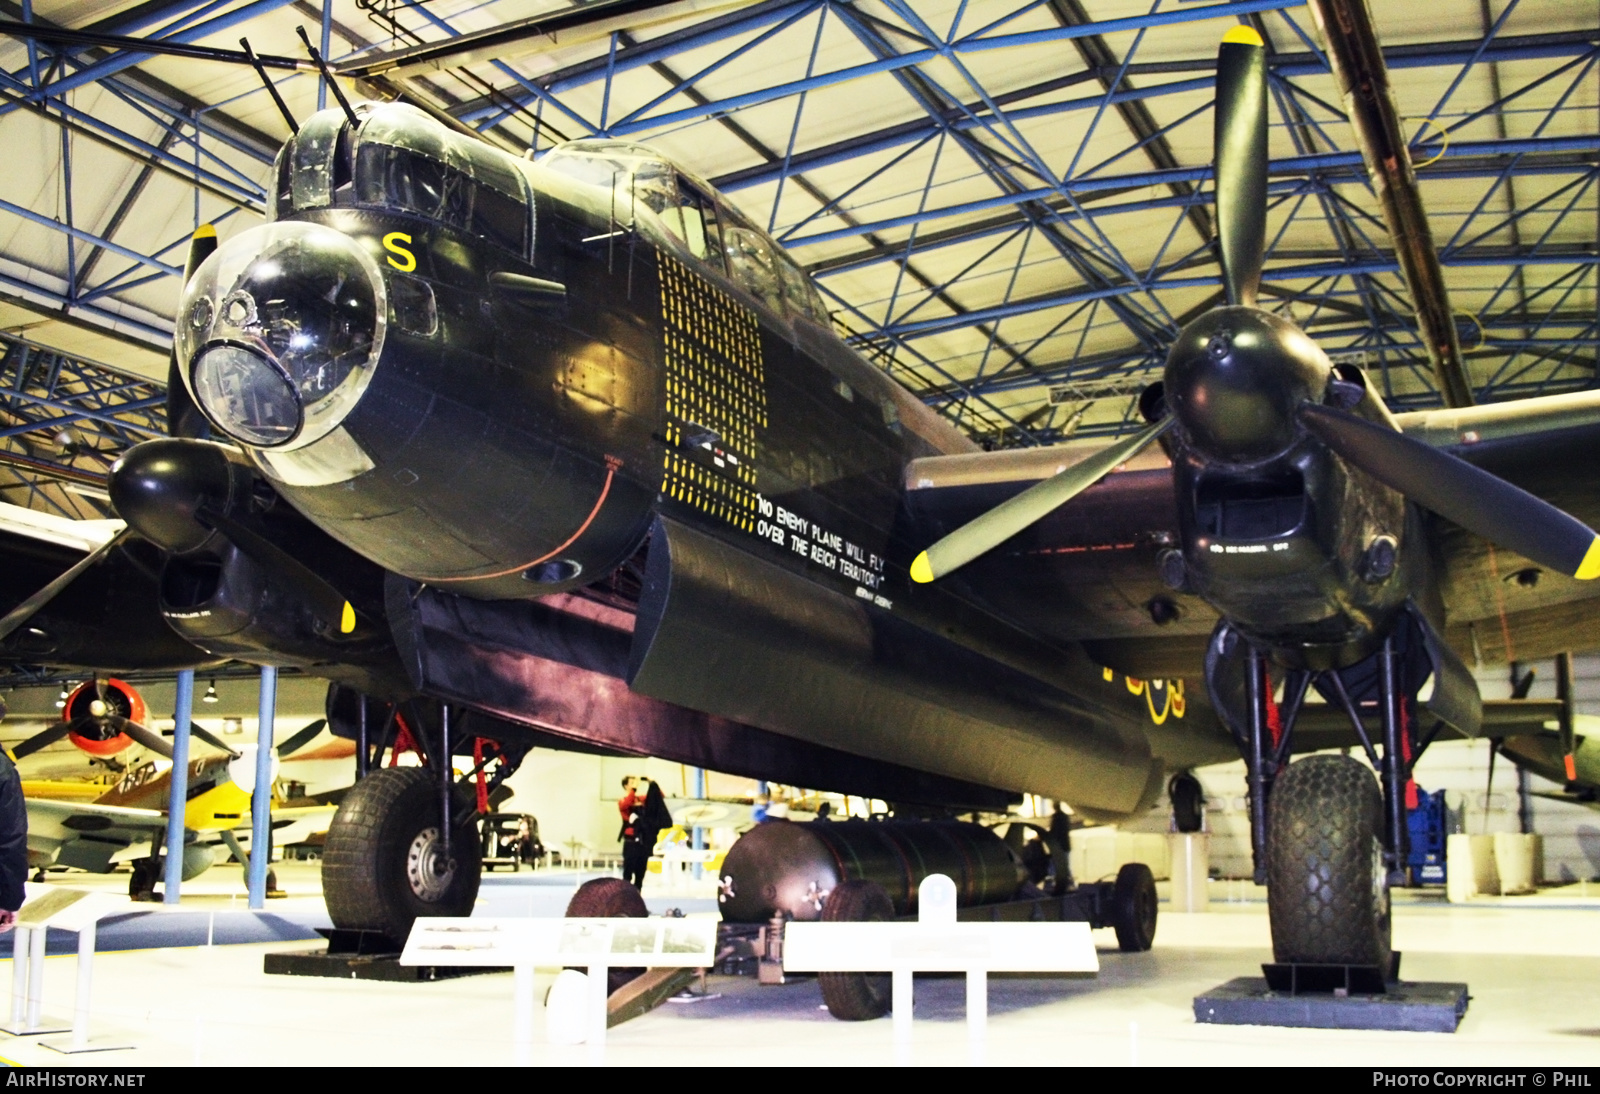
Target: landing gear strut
x: 405, y: 841
x: 1327, y: 839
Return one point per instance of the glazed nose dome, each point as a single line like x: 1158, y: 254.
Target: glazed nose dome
x: 278, y: 333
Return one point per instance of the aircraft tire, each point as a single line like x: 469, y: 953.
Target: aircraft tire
x: 856, y: 996
x: 609, y: 898
x: 1133, y: 908
x: 383, y: 823
x: 1327, y: 895
x: 146, y: 874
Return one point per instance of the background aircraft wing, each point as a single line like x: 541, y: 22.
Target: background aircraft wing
x: 85, y: 834
x: 107, y: 618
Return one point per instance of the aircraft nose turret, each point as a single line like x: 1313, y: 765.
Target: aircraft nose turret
x: 278, y: 333
x: 1235, y: 378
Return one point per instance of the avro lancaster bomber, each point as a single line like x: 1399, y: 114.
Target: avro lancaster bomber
x: 567, y: 452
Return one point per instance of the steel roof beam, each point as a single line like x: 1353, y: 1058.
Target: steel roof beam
x: 897, y: 61
x: 30, y: 293
x: 1285, y: 66
x: 933, y: 99
x: 120, y: 60
x: 925, y: 327
x: 1292, y: 167
x: 1352, y: 50
x: 124, y: 143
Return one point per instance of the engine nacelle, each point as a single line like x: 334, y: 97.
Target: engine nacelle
x: 1302, y: 553
x: 1297, y: 549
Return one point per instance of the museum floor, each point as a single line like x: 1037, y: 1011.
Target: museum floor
x: 1532, y: 964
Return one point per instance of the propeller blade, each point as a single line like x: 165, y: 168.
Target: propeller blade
x: 329, y: 603
x: 1241, y: 151
x: 213, y: 740
x: 1478, y: 501
x: 43, y: 739
x: 147, y: 737
x: 1035, y: 503
x: 184, y: 418
x: 300, y: 740
x: 25, y: 611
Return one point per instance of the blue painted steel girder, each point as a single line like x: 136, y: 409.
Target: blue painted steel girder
x: 1329, y: 167
x: 1283, y: 67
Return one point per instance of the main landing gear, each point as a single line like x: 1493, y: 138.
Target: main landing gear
x: 405, y: 842
x: 1328, y: 839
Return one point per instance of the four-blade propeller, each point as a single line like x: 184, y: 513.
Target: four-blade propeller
x: 1242, y: 385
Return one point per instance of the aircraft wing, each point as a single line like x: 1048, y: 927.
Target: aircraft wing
x: 87, y: 835
x: 1087, y: 572
x: 298, y: 823
x: 107, y: 619
x: 1500, y: 606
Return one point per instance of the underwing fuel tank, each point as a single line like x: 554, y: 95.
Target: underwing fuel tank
x: 780, y: 866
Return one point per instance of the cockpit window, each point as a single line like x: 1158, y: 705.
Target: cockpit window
x: 312, y: 166
x: 693, y: 219
x: 635, y: 176
x: 398, y: 178
x: 444, y: 176
x: 750, y: 264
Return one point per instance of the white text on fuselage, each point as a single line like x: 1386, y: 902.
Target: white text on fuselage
x: 827, y: 549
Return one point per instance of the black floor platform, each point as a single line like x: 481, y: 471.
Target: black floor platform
x: 361, y: 955
x: 1412, y: 1007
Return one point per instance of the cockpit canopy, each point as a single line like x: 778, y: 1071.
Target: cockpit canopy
x: 635, y: 177
x: 400, y: 159
x: 403, y: 160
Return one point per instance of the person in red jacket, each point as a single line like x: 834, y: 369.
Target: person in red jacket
x: 635, y: 849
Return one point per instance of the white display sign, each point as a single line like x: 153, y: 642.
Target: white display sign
x: 549, y: 943
x: 595, y: 944
x: 939, y: 947
x: 937, y: 942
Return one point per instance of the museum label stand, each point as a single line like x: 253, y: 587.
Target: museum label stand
x: 937, y: 942
x: 359, y: 955
x: 670, y: 949
x: 79, y: 912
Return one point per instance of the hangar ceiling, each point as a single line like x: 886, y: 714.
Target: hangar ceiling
x: 1007, y: 204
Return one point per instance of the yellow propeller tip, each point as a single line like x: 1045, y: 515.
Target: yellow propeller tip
x: 206, y: 231
x: 1243, y: 36
x: 1589, y: 568
x: 922, y: 569
x: 347, y: 619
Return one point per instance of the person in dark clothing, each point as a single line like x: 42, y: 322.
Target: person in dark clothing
x: 13, y: 842
x: 635, y: 848
x: 644, y: 814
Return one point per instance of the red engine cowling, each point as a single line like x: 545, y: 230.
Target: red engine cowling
x: 95, y: 735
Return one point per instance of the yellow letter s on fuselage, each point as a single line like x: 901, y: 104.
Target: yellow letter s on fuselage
x: 400, y: 258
